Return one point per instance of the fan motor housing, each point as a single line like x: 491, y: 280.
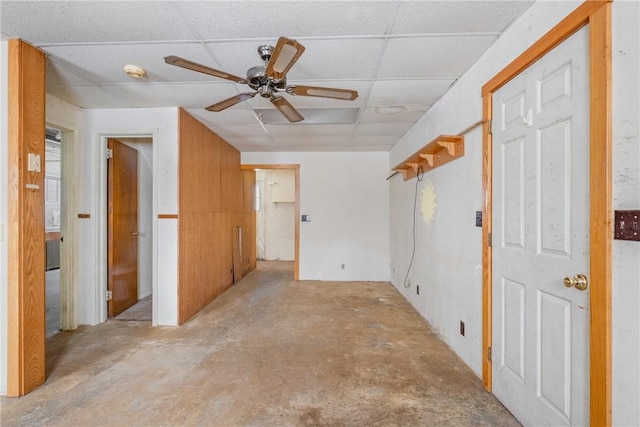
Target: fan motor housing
x: 258, y: 80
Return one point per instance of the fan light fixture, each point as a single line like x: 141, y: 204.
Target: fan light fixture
x: 135, y: 71
x: 268, y: 80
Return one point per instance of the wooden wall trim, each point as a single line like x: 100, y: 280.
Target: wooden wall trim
x: 601, y: 214
x: 26, y: 253
x: 487, y: 227
x: 563, y: 30
x: 596, y: 13
x: 296, y: 167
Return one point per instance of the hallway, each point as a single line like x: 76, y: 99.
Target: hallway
x: 270, y: 351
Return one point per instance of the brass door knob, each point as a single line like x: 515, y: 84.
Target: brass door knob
x: 579, y: 281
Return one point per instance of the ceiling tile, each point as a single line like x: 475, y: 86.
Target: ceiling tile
x: 229, y: 117
x: 271, y: 19
x: 380, y: 114
x: 423, y: 57
x: 88, y: 96
x: 93, y: 21
x: 407, y: 92
x: 425, y: 17
x: 105, y: 63
x: 310, y: 130
x: 323, y: 59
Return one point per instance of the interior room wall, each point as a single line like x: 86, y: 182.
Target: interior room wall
x: 449, y: 251
x: 277, y: 215
x: 3, y: 215
x: 346, y: 195
x: 626, y: 195
x: 161, y: 124
x: 211, y: 254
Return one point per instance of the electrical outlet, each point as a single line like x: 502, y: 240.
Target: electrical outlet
x: 461, y: 328
x: 33, y: 162
x: 418, y: 290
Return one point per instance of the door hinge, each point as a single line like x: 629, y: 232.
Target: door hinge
x: 490, y: 238
x: 489, y: 353
x: 490, y: 127
x: 109, y: 295
x: 109, y: 153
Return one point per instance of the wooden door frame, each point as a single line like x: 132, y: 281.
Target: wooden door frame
x: 296, y: 168
x: 25, y: 236
x: 101, y: 262
x: 596, y: 14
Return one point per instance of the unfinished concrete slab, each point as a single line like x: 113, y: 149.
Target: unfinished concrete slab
x: 269, y: 352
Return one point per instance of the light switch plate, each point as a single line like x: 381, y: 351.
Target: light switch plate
x: 627, y: 225
x: 33, y: 162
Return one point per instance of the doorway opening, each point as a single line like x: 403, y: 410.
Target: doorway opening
x: 60, y: 189
x: 52, y: 227
x: 277, y: 213
x: 129, y: 228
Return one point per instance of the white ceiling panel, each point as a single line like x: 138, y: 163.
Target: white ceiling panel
x: 425, y: 17
x: 401, y: 57
x: 382, y: 115
x: 383, y: 129
x: 93, y: 21
x: 265, y: 19
x: 229, y: 117
x: 310, y: 130
x: 253, y: 131
x: 104, y: 63
x: 424, y: 57
x: 88, y: 96
x: 338, y: 59
x: 407, y: 92
x: 188, y: 95
x: 324, y: 59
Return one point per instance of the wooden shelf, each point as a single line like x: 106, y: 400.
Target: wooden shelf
x: 441, y: 150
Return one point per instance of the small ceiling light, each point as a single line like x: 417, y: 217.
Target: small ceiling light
x: 135, y: 71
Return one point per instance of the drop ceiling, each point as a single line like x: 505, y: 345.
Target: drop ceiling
x: 401, y: 56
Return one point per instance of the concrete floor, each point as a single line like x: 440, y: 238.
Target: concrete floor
x: 270, y: 351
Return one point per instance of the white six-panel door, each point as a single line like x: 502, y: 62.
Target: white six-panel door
x: 540, y: 351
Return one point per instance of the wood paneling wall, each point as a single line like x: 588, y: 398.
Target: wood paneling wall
x: 26, y: 247
x: 215, y: 196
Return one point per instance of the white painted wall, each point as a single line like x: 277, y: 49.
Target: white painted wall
x: 3, y: 215
x: 347, y: 197
x: 275, y: 222
x: 161, y: 124
x: 448, y: 255
x: 626, y: 195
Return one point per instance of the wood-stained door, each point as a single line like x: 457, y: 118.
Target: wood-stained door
x: 540, y: 351
x: 122, y: 201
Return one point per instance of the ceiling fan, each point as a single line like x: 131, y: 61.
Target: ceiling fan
x: 268, y: 80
